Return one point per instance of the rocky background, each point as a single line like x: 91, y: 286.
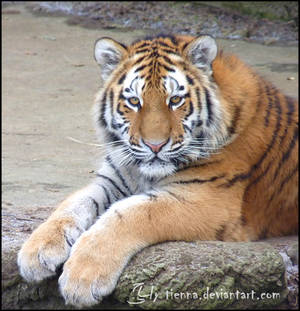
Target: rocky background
x: 267, y: 22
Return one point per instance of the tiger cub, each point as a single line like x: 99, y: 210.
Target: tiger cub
x: 199, y: 147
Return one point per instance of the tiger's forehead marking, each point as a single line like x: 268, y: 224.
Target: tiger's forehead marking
x: 153, y: 65
x: 133, y: 81
x: 179, y: 77
x: 174, y: 82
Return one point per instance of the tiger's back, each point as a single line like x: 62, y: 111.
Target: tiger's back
x: 267, y: 145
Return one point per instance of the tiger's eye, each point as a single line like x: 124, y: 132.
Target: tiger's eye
x: 134, y: 101
x: 175, y: 100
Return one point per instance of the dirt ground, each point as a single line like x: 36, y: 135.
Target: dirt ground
x: 49, y: 82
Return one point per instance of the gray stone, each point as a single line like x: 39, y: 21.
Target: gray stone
x: 204, y: 275
x: 293, y: 252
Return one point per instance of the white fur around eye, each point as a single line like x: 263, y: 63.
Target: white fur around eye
x: 132, y: 87
x: 136, y: 108
x: 176, y: 83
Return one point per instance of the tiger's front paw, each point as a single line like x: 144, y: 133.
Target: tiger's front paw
x: 47, y: 248
x: 91, y: 272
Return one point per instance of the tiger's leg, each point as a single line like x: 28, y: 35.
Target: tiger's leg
x: 49, y: 245
x: 101, y: 253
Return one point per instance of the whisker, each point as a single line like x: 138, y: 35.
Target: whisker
x: 117, y: 142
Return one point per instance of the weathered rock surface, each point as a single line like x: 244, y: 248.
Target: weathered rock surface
x: 181, y: 275
x: 264, y: 22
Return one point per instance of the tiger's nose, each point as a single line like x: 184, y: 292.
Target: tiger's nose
x: 155, y: 147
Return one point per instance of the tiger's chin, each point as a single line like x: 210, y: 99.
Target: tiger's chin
x: 157, y: 169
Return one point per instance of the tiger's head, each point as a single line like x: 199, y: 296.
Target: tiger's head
x: 159, y: 105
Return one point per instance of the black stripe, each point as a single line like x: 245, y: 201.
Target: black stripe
x: 243, y: 176
x: 140, y: 68
x: 236, y: 116
x: 118, y: 214
x: 185, y: 45
x: 286, y: 155
x: 113, y: 183
x: 154, y: 54
x: 106, y: 206
x: 243, y: 220
x: 164, y: 44
x: 285, y: 180
x: 220, y: 233
x: 256, y: 180
x: 167, y: 68
x: 96, y: 205
x: 199, y: 181
x: 260, y: 85
x: 208, y: 105
x: 270, y: 105
x: 291, y: 108
x: 139, y: 60
x: 198, y: 97
x: 175, y: 149
x: 142, y: 45
x: 199, y: 165
x: 119, y: 174
x: 283, y: 136
x: 121, y: 80
x: 168, y: 36
x: 151, y: 196
x: 121, y: 96
x: 69, y: 242
x: 199, y: 121
x: 168, y: 60
x: 102, y: 113
x: 190, y: 80
x: 115, y: 125
x: 170, y: 51
x: 118, y: 110
x: 190, y: 112
x: 125, y: 130
x: 263, y: 234
x: 111, y: 98
x: 175, y: 195
x: 112, y: 137
x: 107, y: 197
x: 187, y: 128
x: 142, y: 51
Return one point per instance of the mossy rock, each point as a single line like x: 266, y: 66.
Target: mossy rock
x: 204, y: 275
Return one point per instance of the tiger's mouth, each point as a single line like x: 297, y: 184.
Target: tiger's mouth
x: 155, y: 159
x: 156, y: 167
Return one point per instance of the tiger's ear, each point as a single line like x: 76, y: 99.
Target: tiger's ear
x: 108, y: 54
x: 202, y: 51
